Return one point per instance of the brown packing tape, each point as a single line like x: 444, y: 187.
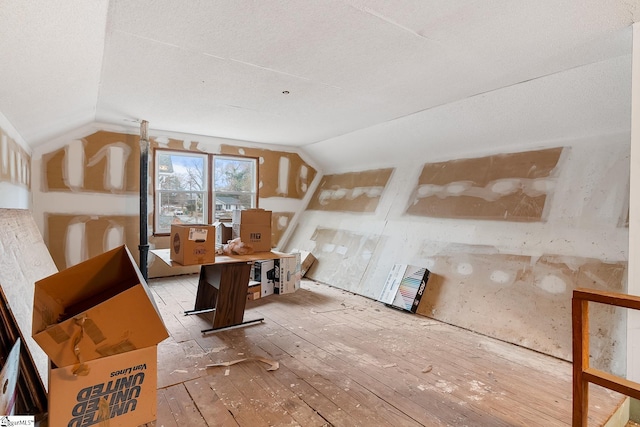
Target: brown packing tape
x: 93, y: 331
x: 57, y: 334
x: 104, y: 412
x: 80, y: 369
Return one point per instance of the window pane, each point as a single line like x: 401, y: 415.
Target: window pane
x: 225, y: 203
x: 234, y: 175
x: 180, y: 207
x: 181, y: 172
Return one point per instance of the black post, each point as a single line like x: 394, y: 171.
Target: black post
x: 144, y: 176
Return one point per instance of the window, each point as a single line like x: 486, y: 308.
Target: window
x: 234, y: 184
x: 184, y: 188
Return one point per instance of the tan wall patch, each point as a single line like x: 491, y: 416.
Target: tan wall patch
x: 75, y: 238
x: 104, y: 162
x: 282, y: 174
x: 521, y: 299
x: 174, y: 144
x: 15, y: 162
x: 511, y: 187
x: 351, y: 192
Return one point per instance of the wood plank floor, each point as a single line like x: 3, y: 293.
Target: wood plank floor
x: 345, y: 360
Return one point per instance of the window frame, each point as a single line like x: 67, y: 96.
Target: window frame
x: 209, y: 213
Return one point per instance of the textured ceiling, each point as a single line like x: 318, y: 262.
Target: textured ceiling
x: 221, y: 68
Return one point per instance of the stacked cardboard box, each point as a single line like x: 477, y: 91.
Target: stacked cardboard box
x: 193, y: 244
x: 253, y: 226
x: 254, y: 290
x: 287, y: 274
x: 264, y: 272
x: 100, y: 327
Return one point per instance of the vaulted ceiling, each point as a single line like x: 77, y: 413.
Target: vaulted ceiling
x: 292, y: 72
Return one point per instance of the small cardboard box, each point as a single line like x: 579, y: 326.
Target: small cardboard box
x: 224, y: 232
x: 265, y: 273
x: 405, y: 286
x: 119, y: 390
x: 193, y: 244
x: 288, y: 274
x: 96, y: 309
x: 253, y: 226
x: 254, y: 290
x: 306, y: 261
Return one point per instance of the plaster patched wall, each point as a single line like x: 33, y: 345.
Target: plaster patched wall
x: 508, y: 236
x: 351, y: 192
x: 88, y: 198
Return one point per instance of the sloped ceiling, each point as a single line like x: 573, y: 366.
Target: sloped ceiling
x: 288, y: 71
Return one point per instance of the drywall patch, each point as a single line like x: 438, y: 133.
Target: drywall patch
x: 281, y: 174
x: 342, y: 256
x: 104, y: 162
x: 279, y: 223
x: 351, y: 192
x: 15, y: 162
x: 524, y: 300
x: 75, y: 238
x: 511, y: 187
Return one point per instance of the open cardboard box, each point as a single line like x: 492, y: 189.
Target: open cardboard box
x: 97, y: 308
x: 99, y: 325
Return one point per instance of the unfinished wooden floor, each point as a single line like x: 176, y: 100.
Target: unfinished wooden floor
x: 345, y: 360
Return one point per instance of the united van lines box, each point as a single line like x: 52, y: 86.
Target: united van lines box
x: 288, y: 274
x: 253, y: 226
x: 93, y: 320
x: 193, y: 244
x: 405, y: 286
x: 118, y: 391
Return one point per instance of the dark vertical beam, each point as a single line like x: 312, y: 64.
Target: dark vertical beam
x: 144, y: 191
x: 580, y: 341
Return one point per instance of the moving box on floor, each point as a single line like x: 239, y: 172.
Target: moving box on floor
x: 99, y: 325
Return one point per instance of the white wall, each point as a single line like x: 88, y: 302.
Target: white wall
x: 584, y: 217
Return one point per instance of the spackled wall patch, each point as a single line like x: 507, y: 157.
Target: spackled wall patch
x: 280, y: 221
x: 351, y: 192
x: 510, y: 187
x: 75, y: 238
x: 523, y: 299
x: 104, y: 162
x: 282, y: 174
x: 342, y: 256
x: 15, y: 162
